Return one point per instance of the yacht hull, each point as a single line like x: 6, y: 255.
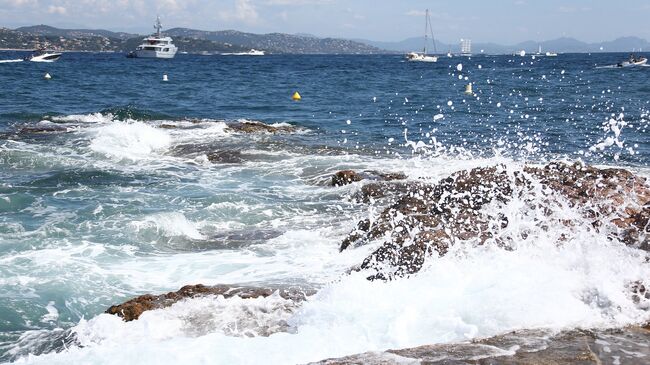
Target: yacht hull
x: 141, y: 53
x: 47, y: 57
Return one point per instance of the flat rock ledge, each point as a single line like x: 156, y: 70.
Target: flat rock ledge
x: 597, y: 347
x: 132, y: 309
x: 249, y: 127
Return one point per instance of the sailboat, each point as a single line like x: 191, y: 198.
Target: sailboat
x: 424, y: 57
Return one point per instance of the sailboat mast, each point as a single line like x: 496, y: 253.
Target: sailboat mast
x: 426, y: 26
x: 433, y: 39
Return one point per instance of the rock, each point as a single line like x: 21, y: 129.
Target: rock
x: 259, y: 127
x: 40, y: 129
x: 345, y: 177
x: 225, y: 156
x: 427, y: 219
x: 132, y: 309
x: 622, y: 346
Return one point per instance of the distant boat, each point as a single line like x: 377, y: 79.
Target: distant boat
x: 633, y: 61
x: 155, y: 45
x: 424, y: 57
x: 551, y: 54
x: 466, y: 47
x: 252, y: 52
x: 40, y: 55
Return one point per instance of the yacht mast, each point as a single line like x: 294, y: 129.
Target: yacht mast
x: 157, y: 26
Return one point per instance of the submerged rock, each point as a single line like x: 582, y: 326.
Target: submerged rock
x: 40, y: 129
x: 624, y: 346
x: 225, y: 156
x: 427, y: 219
x: 132, y: 309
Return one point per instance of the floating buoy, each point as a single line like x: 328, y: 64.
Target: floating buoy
x: 165, y: 77
x: 47, y: 76
x: 468, y: 88
x: 296, y: 96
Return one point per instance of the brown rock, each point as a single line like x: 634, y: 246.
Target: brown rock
x: 132, y: 309
x: 345, y: 177
x: 427, y: 219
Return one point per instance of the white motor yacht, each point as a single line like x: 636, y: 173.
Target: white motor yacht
x: 43, y: 56
x: 155, y: 45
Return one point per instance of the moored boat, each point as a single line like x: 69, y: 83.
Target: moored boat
x: 155, y: 45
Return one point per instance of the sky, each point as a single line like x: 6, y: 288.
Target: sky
x: 499, y: 21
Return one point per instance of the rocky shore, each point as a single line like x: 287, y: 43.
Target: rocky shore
x: 423, y: 220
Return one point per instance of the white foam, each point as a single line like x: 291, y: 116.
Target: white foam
x: 132, y: 141
x: 52, y: 313
x: 93, y: 118
x: 169, y: 224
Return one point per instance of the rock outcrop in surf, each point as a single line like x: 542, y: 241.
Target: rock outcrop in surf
x: 132, y: 309
x: 427, y: 219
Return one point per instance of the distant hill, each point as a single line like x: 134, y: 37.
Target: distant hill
x: 226, y: 41
x: 562, y: 45
x: 279, y: 42
x: 47, y: 30
x: 187, y: 40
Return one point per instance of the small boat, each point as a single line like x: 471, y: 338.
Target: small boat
x: 633, y: 61
x: 419, y: 57
x: 155, y: 45
x: 252, y: 52
x: 424, y: 57
x: 40, y: 55
x: 551, y: 54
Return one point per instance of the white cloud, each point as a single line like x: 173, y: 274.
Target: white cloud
x: 244, y: 11
x: 17, y: 3
x: 53, y: 9
x: 296, y: 2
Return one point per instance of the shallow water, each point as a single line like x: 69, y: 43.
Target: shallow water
x: 106, y: 193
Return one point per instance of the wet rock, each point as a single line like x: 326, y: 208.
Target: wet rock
x: 345, y: 177
x: 259, y: 127
x: 622, y: 346
x: 427, y: 219
x: 225, y: 156
x: 132, y: 309
x: 41, y: 129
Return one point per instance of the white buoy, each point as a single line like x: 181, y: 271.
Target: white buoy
x: 47, y: 76
x: 165, y: 77
x: 468, y: 88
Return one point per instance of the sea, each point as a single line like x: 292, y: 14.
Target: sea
x: 107, y: 193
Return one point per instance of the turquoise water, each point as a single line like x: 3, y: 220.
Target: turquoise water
x: 110, y: 194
